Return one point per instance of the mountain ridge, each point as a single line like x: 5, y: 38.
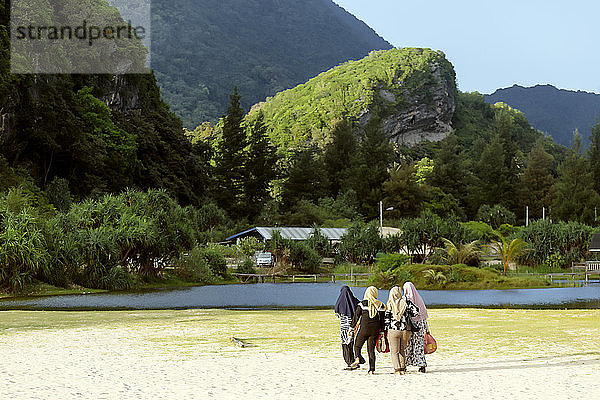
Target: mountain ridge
x: 263, y: 47
x: 554, y: 111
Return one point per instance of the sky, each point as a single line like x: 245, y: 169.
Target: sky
x: 495, y: 44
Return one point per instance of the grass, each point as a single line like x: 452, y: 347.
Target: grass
x: 469, y: 332
x: 44, y: 289
x: 456, y: 277
x: 346, y: 268
x: 169, y: 280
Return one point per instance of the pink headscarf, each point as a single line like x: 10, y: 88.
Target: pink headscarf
x: 410, y: 292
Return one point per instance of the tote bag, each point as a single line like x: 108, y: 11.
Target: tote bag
x: 383, y: 346
x: 430, y: 343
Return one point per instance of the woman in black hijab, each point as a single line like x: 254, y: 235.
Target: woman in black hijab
x: 344, y: 308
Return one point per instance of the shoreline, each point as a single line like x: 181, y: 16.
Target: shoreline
x: 300, y: 296
x: 56, y: 291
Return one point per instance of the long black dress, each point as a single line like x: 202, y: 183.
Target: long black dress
x: 368, y: 331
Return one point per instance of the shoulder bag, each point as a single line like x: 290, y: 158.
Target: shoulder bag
x: 383, y: 346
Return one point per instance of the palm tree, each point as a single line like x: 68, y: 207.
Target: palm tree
x: 509, y: 252
x: 435, y: 276
x: 461, y: 254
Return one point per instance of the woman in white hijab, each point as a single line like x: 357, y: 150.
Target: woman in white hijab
x: 415, y: 350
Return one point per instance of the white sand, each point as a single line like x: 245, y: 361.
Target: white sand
x: 186, y: 355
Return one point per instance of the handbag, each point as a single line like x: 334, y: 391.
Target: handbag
x: 382, y: 345
x: 411, y: 324
x: 430, y: 343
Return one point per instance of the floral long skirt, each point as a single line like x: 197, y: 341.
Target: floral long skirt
x: 415, y: 350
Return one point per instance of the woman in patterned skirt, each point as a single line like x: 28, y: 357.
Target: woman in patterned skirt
x: 344, y: 308
x: 415, y: 350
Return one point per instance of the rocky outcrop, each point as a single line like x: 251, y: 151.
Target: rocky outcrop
x: 427, y: 117
x: 411, y: 92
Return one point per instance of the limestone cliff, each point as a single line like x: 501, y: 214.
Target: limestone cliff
x: 412, y: 92
x: 428, y: 117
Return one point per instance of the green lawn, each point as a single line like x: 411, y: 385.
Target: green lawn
x: 470, y: 332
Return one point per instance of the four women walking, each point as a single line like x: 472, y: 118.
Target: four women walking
x: 404, y: 319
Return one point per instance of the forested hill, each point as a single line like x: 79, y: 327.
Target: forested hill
x: 411, y: 92
x: 98, y: 133
x: 201, y: 49
x: 557, y: 112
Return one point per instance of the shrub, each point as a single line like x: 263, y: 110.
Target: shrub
x: 481, y: 231
x: 361, y: 243
x: 246, y: 267
x: 384, y: 279
x: 216, y: 261
x: 496, y: 215
x: 454, y: 276
x: 193, y: 267
x: 304, y: 258
x: 571, y: 239
x: 462, y: 254
x: 249, y: 246
x: 434, y: 276
x: 320, y: 243
x: 59, y: 195
x: 22, y: 250
x: 507, y: 230
x: 403, y: 276
x: 554, y: 262
x: 422, y: 235
x: 116, y: 278
x: 390, y: 278
x: 392, y: 244
x: 390, y: 262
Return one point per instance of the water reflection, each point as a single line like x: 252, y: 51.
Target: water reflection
x: 303, y: 295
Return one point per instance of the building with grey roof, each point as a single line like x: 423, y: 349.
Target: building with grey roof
x: 293, y: 233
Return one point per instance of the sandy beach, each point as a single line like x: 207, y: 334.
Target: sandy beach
x: 187, y: 354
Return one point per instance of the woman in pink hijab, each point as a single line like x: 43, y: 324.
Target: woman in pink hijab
x: 415, y: 349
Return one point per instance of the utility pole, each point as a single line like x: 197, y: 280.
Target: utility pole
x: 381, y: 216
x: 527, y: 216
x: 544, y: 213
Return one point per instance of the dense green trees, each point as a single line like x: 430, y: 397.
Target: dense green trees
x: 403, y: 193
x: 594, y: 155
x: 107, y: 243
x: 536, y: 187
x: 259, y: 169
x: 230, y: 157
x: 361, y: 243
x: 576, y: 198
x: 262, y: 46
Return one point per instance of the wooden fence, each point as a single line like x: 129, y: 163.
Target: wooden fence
x: 262, y: 278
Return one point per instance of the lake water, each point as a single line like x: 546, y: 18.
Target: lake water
x: 303, y: 295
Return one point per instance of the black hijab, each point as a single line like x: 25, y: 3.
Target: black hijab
x: 346, y: 304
